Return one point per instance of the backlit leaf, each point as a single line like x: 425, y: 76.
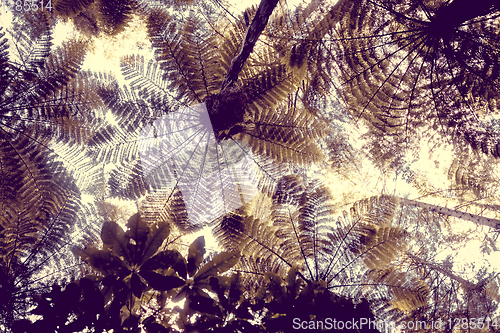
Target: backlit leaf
x: 137, y: 228
x: 167, y: 259
x: 195, y: 255
x: 136, y: 285
x: 114, y: 236
x: 158, y: 233
x: 219, y: 264
x: 160, y: 282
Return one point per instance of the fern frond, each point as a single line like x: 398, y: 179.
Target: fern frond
x: 185, y: 55
x: 148, y: 79
x: 67, y: 8
x: 378, y: 210
x: 31, y: 40
x: 115, y: 15
x: 268, y: 88
x: 399, y: 58
x: 285, y: 134
x: 408, y: 294
x: 256, y: 239
x: 382, y: 246
x: 4, y: 69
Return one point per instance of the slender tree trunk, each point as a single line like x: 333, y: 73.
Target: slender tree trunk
x: 493, y: 223
x: 226, y: 108
x: 443, y: 271
x: 252, y: 34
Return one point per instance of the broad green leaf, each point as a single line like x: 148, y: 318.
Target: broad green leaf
x: 160, y: 282
x: 204, y: 304
x: 137, y: 229
x: 136, y: 285
x: 157, y: 234
x: 114, y: 236
x: 103, y: 261
x: 156, y: 328
x: 167, y: 259
x: 219, y: 264
x: 195, y: 255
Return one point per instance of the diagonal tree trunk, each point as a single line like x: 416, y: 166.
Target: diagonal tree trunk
x: 225, y: 108
x: 493, y: 223
x: 252, y: 34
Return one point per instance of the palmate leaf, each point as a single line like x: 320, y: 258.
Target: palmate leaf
x: 219, y: 264
x: 103, y: 260
x: 138, y: 229
x: 158, y: 232
x: 161, y: 282
x: 113, y: 236
x: 136, y: 236
x: 195, y: 255
x: 167, y: 259
x: 136, y: 285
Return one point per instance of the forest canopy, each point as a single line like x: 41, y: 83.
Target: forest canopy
x: 270, y: 168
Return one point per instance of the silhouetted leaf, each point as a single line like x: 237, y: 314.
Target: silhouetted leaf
x: 219, y: 264
x: 167, y: 259
x: 137, y: 228
x: 156, y: 328
x: 131, y: 322
x: 204, y: 304
x: 195, y: 255
x: 160, y: 282
x: 159, y: 231
x: 103, y: 260
x: 114, y: 236
x: 136, y: 285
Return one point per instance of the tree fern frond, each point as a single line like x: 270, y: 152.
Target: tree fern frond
x: 66, y: 8
x: 285, y: 134
x: 382, y: 246
x: 266, y: 90
x: 377, y: 210
x: 257, y: 241
x: 408, y: 294
x: 127, y: 182
x: 31, y: 39
x: 185, y: 55
x: 4, y: 69
x: 148, y: 79
x: 62, y: 65
x: 408, y: 58
x: 115, y: 15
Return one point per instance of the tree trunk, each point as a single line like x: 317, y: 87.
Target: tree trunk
x: 443, y: 271
x: 252, y: 34
x: 493, y: 223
